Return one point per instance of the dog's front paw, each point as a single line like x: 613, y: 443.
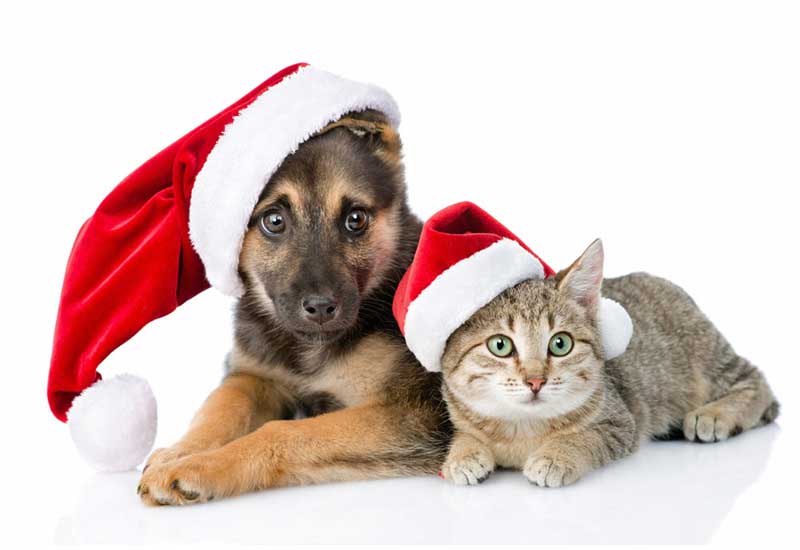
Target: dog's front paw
x: 166, y: 454
x: 469, y: 468
x: 189, y: 480
x: 548, y: 471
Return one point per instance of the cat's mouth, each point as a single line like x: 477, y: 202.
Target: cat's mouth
x: 532, y: 399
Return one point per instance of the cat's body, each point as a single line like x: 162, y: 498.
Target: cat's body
x: 678, y: 376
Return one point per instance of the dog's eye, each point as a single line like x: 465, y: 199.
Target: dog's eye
x: 272, y: 223
x: 356, y: 221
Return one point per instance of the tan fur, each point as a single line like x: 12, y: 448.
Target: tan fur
x: 356, y: 378
x: 385, y: 235
x: 279, y: 453
x: 283, y: 187
x: 359, y: 376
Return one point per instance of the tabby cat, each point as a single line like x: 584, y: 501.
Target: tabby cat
x: 527, y: 386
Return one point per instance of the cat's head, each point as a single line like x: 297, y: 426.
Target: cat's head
x: 535, y: 350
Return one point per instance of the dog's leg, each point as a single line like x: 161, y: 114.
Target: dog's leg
x: 242, y: 403
x: 369, y: 441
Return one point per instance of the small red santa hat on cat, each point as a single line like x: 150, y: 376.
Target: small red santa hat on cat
x: 465, y: 259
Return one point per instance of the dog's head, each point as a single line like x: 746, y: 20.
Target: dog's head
x: 326, y: 230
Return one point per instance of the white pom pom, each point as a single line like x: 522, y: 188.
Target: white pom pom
x: 616, y: 328
x: 113, y: 423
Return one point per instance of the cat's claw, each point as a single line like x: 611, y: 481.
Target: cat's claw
x: 471, y: 469
x: 548, y: 472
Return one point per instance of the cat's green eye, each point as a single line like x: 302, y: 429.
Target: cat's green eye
x: 500, y: 345
x: 560, y: 344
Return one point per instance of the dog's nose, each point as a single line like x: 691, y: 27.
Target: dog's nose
x: 536, y: 384
x: 320, y: 309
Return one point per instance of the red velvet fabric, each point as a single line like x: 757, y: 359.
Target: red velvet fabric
x: 449, y: 236
x: 132, y: 261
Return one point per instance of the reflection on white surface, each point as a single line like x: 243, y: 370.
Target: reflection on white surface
x: 673, y: 492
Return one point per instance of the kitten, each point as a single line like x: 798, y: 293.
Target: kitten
x: 527, y: 387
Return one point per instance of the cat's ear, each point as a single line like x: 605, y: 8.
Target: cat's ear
x: 582, y: 280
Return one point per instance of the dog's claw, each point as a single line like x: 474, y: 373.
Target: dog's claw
x: 186, y: 494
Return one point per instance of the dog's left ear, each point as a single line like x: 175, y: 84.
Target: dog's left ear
x: 373, y: 127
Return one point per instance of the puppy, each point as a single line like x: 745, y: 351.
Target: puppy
x: 327, y: 244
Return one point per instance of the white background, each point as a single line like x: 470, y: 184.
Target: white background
x: 671, y: 129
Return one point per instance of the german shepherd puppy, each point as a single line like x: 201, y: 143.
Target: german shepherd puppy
x: 328, y: 242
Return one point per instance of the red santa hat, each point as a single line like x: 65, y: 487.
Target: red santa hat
x: 465, y: 259
x: 165, y: 233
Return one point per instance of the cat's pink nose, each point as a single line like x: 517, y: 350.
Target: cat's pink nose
x: 536, y: 384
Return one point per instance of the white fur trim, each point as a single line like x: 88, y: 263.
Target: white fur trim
x: 252, y: 147
x: 616, y: 328
x: 113, y: 423
x: 458, y: 292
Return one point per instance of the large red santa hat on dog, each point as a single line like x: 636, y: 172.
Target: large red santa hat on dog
x: 465, y: 259
x: 165, y: 233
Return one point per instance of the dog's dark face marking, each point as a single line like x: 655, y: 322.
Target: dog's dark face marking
x: 324, y: 234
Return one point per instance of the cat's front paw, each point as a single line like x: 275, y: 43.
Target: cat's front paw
x: 470, y: 468
x: 547, y: 471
